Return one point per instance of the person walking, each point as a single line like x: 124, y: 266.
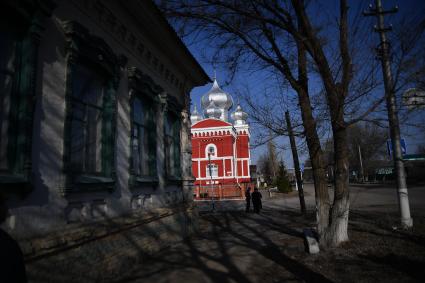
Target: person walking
x: 248, y: 199
x: 256, y: 200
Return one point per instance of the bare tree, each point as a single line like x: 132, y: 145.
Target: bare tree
x: 280, y: 36
x: 254, y: 32
x: 268, y: 164
x: 368, y: 141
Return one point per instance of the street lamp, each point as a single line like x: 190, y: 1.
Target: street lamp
x: 211, y: 182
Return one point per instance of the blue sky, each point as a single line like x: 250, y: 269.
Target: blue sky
x: 258, y: 81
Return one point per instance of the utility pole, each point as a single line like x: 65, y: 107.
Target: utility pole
x: 384, y: 55
x: 361, y: 164
x: 296, y: 162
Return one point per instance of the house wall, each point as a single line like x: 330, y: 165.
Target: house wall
x: 47, y: 210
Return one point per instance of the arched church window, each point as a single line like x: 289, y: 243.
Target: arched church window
x: 211, y: 150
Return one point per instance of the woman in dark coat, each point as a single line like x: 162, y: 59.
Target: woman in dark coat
x: 248, y: 199
x: 256, y: 200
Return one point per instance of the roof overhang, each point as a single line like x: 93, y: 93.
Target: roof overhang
x: 154, y: 24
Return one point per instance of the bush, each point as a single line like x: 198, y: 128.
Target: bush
x: 282, y: 182
x: 283, y: 185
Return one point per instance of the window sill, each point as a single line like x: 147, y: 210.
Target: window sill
x: 90, y: 179
x: 174, y: 180
x: 82, y: 184
x: 147, y: 179
x: 139, y: 182
x: 12, y: 179
x: 14, y: 183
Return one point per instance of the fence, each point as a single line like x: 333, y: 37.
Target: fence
x: 219, y: 192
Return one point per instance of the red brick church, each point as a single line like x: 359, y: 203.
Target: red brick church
x: 220, y: 148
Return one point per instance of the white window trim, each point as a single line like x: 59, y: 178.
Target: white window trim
x: 207, y: 151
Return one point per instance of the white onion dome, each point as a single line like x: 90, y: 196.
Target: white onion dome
x: 212, y: 111
x: 239, y: 116
x: 222, y: 100
x: 195, y: 116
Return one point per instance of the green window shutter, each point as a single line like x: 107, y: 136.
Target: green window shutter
x: 108, y: 130
x: 176, y: 136
x: 22, y: 21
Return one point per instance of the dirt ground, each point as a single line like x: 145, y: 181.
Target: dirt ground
x: 234, y: 246
x: 377, y: 252
x: 239, y: 247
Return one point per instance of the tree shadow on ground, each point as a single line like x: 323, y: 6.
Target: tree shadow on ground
x: 412, y: 268
x: 384, y: 225
x: 235, y: 247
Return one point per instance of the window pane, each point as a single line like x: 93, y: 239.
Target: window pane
x: 176, y: 153
x: 151, y: 135
x: 145, y: 152
x: 168, y: 154
x: 80, y: 81
x: 143, y: 160
x: 138, y: 111
x: 94, y: 95
x: 86, y: 129
x: 7, y: 71
x: 87, y: 86
x: 135, y: 151
x: 77, y: 137
x: 168, y: 124
x: 212, y: 171
x: 94, y: 143
x: 172, y: 149
x: 172, y: 132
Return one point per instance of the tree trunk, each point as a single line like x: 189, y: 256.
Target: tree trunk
x: 336, y: 92
x: 313, y: 143
x: 338, y: 228
x: 317, y: 162
x: 296, y: 162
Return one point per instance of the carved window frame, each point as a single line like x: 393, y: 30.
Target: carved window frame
x: 142, y: 87
x: 32, y: 15
x: 173, y: 110
x: 86, y: 49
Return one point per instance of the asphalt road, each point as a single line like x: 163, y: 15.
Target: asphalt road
x: 362, y: 197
